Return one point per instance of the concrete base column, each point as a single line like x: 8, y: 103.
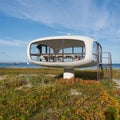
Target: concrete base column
x: 68, y: 73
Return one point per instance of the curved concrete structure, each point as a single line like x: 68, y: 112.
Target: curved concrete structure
x: 66, y: 52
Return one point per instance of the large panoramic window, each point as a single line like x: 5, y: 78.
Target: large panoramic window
x: 62, y: 51
x: 33, y: 49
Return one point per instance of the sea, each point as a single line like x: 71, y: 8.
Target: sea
x: 18, y: 65
x: 30, y: 65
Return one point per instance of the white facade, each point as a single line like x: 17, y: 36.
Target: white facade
x: 54, y: 52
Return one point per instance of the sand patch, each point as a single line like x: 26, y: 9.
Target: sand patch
x: 117, y: 81
x: 3, y: 77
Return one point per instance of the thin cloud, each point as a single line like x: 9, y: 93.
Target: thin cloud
x: 2, y: 53
x: 96, y: 18
x: 12, y: 43
x: 72, y: 14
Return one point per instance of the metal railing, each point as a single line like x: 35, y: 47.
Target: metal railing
x: 66, y: 57
x: 104, y: 66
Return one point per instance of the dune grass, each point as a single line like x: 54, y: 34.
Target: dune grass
x: 34, y: 94
x: 84, y: 74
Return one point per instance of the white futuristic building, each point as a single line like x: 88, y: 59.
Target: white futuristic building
x: 66, y: 52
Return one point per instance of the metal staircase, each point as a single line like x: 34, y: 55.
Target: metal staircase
x: 104, y: 66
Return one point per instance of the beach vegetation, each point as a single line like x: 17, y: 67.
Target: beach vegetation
x: 34, y: 95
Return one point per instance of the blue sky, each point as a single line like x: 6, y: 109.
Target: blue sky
x: 24, y: 20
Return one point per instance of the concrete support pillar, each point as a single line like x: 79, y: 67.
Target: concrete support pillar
x: 68, y: 73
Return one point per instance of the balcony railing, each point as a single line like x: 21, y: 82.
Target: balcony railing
x: 66, y: 57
